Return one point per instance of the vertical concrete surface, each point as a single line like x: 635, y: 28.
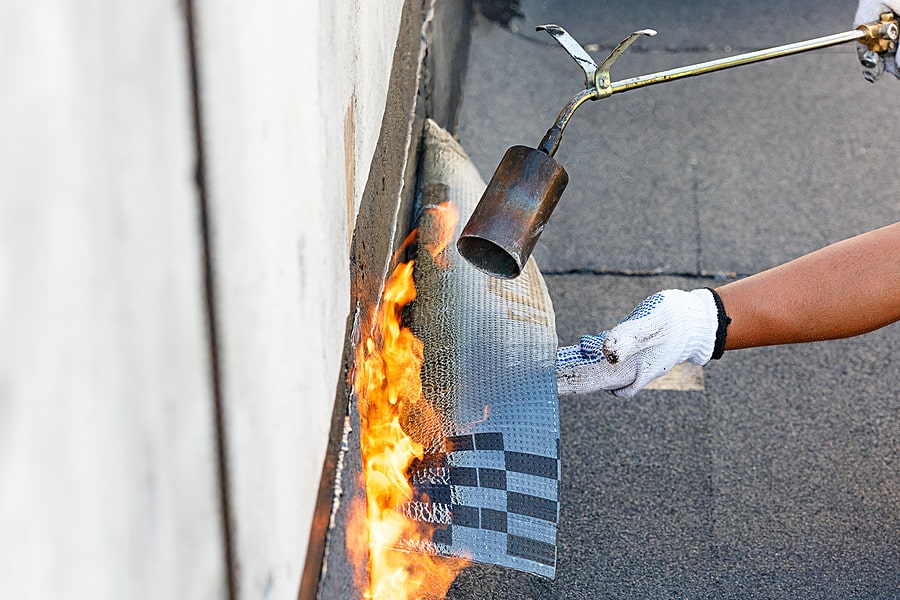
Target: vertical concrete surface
x: 108, y: 482
x: 169, y: 266
x: 292, y: 95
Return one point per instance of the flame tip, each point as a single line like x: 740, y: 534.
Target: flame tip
x: 386, y: 382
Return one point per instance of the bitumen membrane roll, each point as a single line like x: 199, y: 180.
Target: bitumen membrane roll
x: 491, y: 421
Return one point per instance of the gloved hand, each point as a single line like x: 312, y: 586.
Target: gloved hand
x: 873, y: 65
x: 667, y: 328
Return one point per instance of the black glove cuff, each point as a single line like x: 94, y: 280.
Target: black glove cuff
x: 722, y: 330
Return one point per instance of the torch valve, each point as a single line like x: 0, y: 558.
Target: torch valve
x: 882, y: 35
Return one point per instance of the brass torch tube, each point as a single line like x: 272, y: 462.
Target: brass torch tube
x: 551, y: 140
x: 738, y: 60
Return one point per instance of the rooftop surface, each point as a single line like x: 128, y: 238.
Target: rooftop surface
x: 780, y: 478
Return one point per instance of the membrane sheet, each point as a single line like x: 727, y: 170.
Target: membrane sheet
x: 491, y: 421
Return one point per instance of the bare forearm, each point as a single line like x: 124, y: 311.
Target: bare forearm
x: 845, y: 289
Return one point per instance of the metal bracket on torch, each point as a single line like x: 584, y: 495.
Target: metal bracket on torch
x: 879, y: 37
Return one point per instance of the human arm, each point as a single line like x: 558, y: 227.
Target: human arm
x: 845, y: 289
x: 842, y: 290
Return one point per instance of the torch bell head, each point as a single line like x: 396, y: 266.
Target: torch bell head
x: 504, y: 227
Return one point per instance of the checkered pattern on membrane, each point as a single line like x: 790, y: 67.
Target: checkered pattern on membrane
x: 490, y: 423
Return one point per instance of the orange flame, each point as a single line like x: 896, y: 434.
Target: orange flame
x: 387, y: 383
x: 443, y: 221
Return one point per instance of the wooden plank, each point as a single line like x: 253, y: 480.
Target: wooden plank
x: 684, y: 377
x: 107, y: 448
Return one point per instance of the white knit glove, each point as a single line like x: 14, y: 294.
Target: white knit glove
x: 873, y: 65
x: 667, y: 328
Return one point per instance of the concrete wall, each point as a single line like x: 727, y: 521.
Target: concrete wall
x: 172, y: 336
x: 292, y: 95
x: 106, y: 412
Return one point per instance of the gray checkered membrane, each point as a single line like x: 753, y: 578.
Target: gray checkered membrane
x: 490, y: 480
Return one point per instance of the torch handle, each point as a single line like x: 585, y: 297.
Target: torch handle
x: 737, y: 60
x: 880, y: 36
